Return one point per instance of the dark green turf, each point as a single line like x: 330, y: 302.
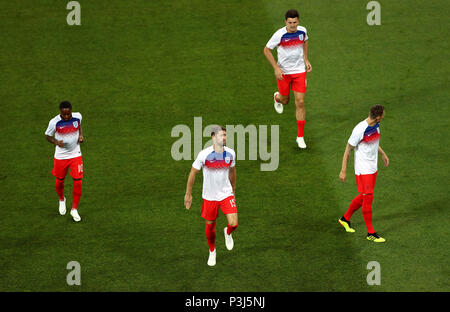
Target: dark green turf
x: 136, y: 69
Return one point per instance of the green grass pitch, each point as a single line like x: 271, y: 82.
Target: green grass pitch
x: 135, y: 69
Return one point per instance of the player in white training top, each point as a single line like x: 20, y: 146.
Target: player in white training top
x: 291, y: 42
x: 365, y: 140
x: 64, y: 130
x: 219, y: 179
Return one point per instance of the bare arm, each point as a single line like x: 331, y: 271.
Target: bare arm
x: 384, y: 156
x: 277, y: 71
x: 54, y: 141
x: 232, y: 177
x: 305, y: 56
x: 80, y: 137
x: 343, y: 173
x: 190, y: 184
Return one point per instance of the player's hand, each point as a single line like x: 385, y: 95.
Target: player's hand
x: 308, y: 66
x: 278, y: 73
x: 188, y: 201
x: 342, y: 176
x: 385, y: 159
x: 80, y: 139
x: 60, y: 143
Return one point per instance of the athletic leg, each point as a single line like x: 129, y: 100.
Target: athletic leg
x: 211, y: 238
x: 284, y: 89
x: 60, y: 191
x: 210, y: 212
x: 367, y: 212
x: 210, y: 232
x: 299, y: 88
x: 367, y: 215
x: 300, y: 111
x: 366, y: 184
x: 229, y: 209
x: 76, y: 193
x: 60, y: 168
x: 283, y: 99
x: 76, y: 171
x: 354, y: 206
x: 59, y: 183
x: 232, y: 219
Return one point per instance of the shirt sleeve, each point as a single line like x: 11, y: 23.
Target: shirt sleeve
x: 198, y: 162
x: 51, y: 129
x: 78, y: 115
x: 356, y: 137
x: 274, y: 41
x: 306, y: 35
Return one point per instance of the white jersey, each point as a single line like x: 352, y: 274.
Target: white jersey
x: 366, y: 140
x: 67, y: 131
x: 289, y: 49
x: 216, y: 184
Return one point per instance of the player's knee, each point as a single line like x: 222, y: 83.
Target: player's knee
x: 233, y: 222
x: 284, y: 99
x: 300, y: 103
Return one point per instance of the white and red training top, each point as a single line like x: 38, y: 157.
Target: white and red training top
x: 366, y: 140
x: 289, y: 49
x: 67, y: 131
x: 216, y: 184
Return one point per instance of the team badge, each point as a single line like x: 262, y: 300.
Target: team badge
x: 75, y: 124
x: 300, y: 37
x: 227, y: 159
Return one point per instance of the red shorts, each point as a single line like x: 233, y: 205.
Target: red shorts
x: 210, y: 209
x: 295, y: 82
x: 365, y: 183
x: 60, y: 167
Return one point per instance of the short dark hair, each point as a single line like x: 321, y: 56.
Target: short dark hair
x: 65, y: 104
x: 216, y: 130
x: 291, y: 14
x: 376, y: 111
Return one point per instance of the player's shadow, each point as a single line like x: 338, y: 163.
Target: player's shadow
x: 413, y: 215
x: 309, y: 147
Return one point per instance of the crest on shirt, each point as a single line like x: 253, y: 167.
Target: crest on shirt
x: 75, y: 124
x: 300, y: 37
x: 227, y: 159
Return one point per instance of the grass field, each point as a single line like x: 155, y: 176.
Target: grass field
x: 135, y: 69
